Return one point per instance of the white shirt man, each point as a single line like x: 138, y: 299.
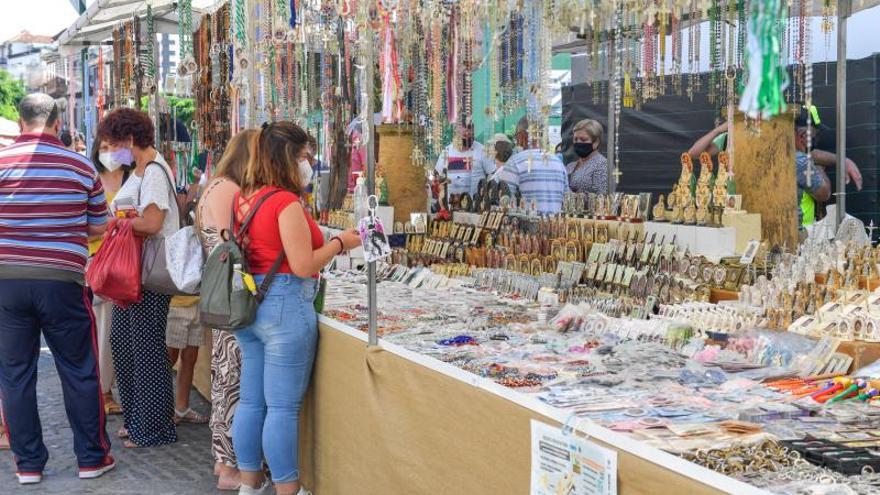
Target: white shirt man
x: 465, y: 168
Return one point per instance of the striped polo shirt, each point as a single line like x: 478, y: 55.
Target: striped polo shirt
x: 538, y: 176
x: 48, y: 197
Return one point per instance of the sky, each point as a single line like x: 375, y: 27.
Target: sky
x: 46, y: 17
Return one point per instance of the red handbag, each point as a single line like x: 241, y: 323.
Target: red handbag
x: 115, y: 271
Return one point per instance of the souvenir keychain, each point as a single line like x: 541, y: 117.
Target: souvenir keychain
x: 372, y: 234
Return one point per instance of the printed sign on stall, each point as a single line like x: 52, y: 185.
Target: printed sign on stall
x: 565, y: 464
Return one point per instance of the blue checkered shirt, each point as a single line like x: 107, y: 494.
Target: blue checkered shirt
x: 546, y: 183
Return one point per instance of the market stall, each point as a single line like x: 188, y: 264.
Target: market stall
x: 678, y: 342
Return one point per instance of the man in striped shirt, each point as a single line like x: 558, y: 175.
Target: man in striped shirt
x: 51, y: 201
x: 540, y: 177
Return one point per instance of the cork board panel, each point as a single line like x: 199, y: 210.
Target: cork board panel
x: 764, y: 168
x: 406, y: 184
x: 375, y: 423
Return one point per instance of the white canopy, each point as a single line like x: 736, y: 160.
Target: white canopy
x: 98, y: 21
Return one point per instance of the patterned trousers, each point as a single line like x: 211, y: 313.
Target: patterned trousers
x: 225, y: 381
x: 143, y: 374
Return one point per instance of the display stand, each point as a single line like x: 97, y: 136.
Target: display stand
x: 385, y: 421
x: 747, y: 225
x: 406, y: 183
x: 863, y: 353
x: 711, y: 242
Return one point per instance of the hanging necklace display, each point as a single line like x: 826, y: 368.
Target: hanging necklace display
x: 829, y: 13
x: 137, y: 71
x: 437, y: 72
x: 149, y: 80
x: 714, y: 49
x: 128, y: 65
x: 618, y: 65
x: 99, y: 85
x: 187, y: 67
x: 808, y: 104
x: 675, y: 29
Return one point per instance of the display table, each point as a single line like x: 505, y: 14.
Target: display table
x: 712, y: 242
x: 384, y: 420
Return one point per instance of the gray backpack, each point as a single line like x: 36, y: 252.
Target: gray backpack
x: 226, y: 302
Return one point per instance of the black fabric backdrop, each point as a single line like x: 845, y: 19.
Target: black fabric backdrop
x: 653, y: 138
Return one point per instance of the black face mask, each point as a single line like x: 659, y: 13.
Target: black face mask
x: 467, y: 142
x: 583, y: 150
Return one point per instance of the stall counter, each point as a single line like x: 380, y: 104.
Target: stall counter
x: 384, y: 420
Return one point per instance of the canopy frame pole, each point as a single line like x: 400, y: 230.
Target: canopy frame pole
x: 370, y: 132
x: 844, y: 8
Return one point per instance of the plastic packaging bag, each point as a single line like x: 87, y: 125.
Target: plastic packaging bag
x: 115, y: 271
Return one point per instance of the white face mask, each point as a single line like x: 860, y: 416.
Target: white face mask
x: 305, y: 172
x: 108, y: 161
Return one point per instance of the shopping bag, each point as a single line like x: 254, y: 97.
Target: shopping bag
x: 115, y: 271
x: 185, y: 259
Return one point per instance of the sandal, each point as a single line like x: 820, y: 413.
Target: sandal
x: 131, y: 445
x: 122, y: 433
x: 189, y: 416
x: 111, y: 407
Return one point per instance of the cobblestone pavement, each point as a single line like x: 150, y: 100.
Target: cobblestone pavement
x: 184, y: 468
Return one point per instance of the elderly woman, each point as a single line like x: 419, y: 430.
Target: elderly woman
x: 589, y: 174
x: 137, y: 332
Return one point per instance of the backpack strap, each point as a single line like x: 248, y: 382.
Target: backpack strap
x: 263, y: 289
x: 246, y: 223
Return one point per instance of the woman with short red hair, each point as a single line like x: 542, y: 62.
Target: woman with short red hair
x: 137, y: 332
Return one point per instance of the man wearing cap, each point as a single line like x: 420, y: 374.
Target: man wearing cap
x: 818, y: 187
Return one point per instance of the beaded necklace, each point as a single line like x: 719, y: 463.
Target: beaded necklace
x: 150, y: 76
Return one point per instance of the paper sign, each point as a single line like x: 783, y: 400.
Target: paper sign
x: 565, y: 464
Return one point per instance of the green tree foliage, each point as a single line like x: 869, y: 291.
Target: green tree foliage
x: 11, y: 93
x: 183, y: 108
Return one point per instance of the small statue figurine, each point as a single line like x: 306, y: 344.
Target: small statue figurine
x: 684, y: 181
x: 660, y: 210
x: 703, y: 191
x: 677, y: 215
x: 719, y: 192
x: 690, y: 213
x: 702, y: 211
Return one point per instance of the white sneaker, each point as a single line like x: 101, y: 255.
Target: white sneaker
x: 303, y: 491
x: 25, y: 478
x: 266, y: 489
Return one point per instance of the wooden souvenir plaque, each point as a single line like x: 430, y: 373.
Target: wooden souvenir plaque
x: 406, y: 183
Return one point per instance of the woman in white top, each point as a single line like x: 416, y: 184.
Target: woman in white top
x: 137, y: 333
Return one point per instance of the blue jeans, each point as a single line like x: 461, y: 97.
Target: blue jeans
x: 277, y: 355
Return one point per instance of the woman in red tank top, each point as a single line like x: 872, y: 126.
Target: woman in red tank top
x: 278, y: 350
